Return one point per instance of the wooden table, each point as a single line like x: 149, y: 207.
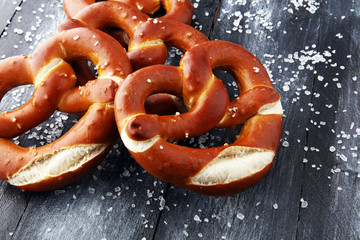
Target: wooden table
x: 311, y: 50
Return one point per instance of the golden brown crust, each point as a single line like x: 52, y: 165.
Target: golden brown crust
x: 147, y: 45
x: 88, y: 130
x: 101, y: 90
x: 147, y: 37
x: 104, y: 14
x: 180, y: 11
x: 110, y: 59
x: 44, y: 100
x: 81, y: 43
x: 125, y: 17
x: 80, y: 149
x: 146, y: 136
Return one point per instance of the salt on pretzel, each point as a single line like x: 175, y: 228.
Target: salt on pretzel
x: 148, y: 44
x: 177, y: 10
x: 51, y: 83
x: 221, y: 170
x: 103, y: 51
x: 72, y: 7
x: 64, y: 161
x: 105, y: 14
x: 148, y: 37
x: 180, y: 11
x: 78, y: 151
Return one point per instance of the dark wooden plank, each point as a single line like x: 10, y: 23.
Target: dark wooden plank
x: 331, y: 177
x: 7, y: 10
x: 13, y: 203
x: 270, y: 209
x: 118, y: 199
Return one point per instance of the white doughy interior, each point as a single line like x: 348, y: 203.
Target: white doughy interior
x: 54, y: 164
x: 232, y: 164
x: 271, y: 108
x: 137, y: 146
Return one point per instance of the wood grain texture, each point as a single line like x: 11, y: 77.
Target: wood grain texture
x: 7, y: 11
x: 271, y: 208
x: 311, y: 51
x: 331, y: 176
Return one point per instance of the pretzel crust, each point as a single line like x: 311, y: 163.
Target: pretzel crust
x: 217, y: 171
x: 86, y: 144
x: 16, y: 71
x: 180, y: 11
x: 104, y: 52
x: 147, y: 37
x: 83, y: 147
x: 148, y: 44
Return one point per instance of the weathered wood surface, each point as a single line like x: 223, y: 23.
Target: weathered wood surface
x: 311, y: 50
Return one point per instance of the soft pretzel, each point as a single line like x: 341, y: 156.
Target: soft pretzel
x: 16, y: 71
x: 78, y: 151
x: 64, y: 161
x: 104, y: 52
x: 148, y: 40
x: 217, y: 171
x: 148, y: 44
x: 180, y: 11
x: 104, y: 14
x: 147, y: 36
x: 72, y: 7
x: 177, y: 10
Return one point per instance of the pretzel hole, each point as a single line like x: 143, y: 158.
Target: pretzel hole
x: 47, y: 132
x: 85, y: 70
x: 174, y: 56
x: 159, y: 13
x: 164, y: 104
x: 216, y: 137
x: 229, y: 81
x: 118, y: 34
x: 16, y: 97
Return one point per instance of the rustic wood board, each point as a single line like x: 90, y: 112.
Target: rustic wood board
x: 311, y: 50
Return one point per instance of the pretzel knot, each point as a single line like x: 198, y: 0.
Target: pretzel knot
x: 179, y: 11
x: 147, y: 37
x: 220, y: 170
x: 84, y: 146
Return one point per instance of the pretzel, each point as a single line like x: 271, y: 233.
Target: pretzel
x: 177, y: 10
x: 16, y: 71
x: 64, y: 161
x: 147, y: 36
x: 77, y: 152
x: 180, y: 11
x: 221, y: 170
x: 103, y: 51
x: 147, y: 44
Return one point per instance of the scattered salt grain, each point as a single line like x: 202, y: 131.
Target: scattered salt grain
x: 240, y: 216
x: 304, y: 204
